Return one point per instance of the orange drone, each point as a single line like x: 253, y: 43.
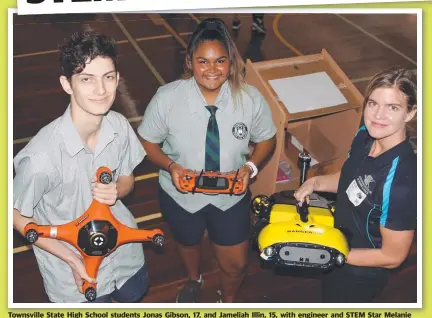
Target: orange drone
x: 212, y: 182
x: 95, y: 234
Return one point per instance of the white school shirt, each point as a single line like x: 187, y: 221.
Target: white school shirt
x: 177, y: 117
x: 52, y: 184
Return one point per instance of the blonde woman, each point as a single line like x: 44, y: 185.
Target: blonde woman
x: 377, y: 191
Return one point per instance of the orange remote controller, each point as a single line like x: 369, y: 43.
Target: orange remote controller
x: 211, y: 182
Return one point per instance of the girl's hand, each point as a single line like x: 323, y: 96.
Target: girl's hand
x: 177, y: 172
x: 244, y: 173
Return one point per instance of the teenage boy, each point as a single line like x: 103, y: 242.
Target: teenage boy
x: 55, y: 175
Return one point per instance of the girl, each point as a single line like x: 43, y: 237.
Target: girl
x: 377, y: 191
x: 205, y: 121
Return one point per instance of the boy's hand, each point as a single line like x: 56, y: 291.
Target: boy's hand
x: 79, y: 272
x: 104, y: 193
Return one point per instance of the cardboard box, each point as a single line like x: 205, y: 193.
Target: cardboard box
x: 326, y: 133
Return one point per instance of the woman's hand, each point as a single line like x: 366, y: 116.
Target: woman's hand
x: 305, y: 191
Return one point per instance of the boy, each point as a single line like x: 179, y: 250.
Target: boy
x: 55, y: 175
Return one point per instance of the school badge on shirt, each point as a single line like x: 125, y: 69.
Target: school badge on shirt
x: 355, y: 194
x: 240, y: 131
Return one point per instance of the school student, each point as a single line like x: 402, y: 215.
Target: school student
x: 205, y: 121
x: 55, y: 179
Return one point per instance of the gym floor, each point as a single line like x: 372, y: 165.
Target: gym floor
x: 152, y: 51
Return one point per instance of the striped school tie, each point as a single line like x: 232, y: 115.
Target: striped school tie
x: 212, y: 158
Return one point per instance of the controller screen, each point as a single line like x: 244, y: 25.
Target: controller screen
x: 213, y: 183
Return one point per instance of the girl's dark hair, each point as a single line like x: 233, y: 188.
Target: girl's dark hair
x: 402, y: 79
x: 83, y: 47
x: 214, y: 29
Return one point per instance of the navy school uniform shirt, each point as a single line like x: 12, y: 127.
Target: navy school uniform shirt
x: 376, y: 191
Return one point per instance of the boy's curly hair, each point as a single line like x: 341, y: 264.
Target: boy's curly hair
x: 83, y: 47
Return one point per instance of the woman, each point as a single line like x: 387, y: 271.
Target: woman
x: 205, y: 121
x: 377, y: 191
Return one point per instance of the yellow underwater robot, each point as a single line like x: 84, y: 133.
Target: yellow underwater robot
x: 298, y: 236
